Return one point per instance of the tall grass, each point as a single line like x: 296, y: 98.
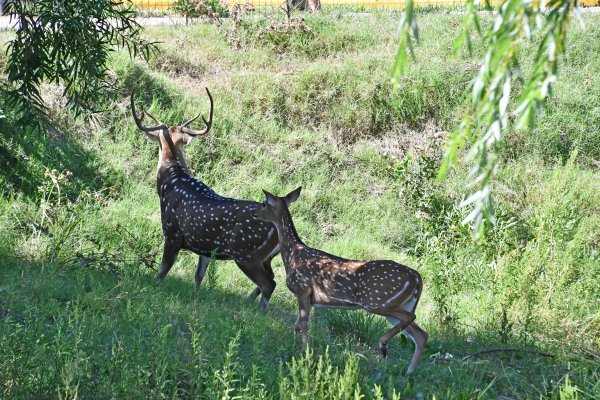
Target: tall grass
x: 82, y: 316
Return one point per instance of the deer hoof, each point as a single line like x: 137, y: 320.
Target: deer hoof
x: 263, y: 304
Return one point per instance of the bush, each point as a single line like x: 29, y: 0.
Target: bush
x: 199, y: 8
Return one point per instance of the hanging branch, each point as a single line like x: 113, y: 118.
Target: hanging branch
x: 66, y: 42
x: 484, y: 124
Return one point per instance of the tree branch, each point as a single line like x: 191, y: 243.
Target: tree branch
x: 467, y: 357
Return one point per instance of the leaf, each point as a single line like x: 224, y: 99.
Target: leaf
x: 455, y: 141
x: 407, y: 23
x: 477, y: 196
x: 68, y: 42
x: 458, y: 42
x: 477, y: 210
x: 400, y: 63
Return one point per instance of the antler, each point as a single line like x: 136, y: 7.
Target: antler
x: 183, y: 128
x: 138, y: 121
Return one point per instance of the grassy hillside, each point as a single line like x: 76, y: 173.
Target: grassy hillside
x: 81, y: 314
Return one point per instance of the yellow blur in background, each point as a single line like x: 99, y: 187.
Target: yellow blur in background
x: 165, y: 4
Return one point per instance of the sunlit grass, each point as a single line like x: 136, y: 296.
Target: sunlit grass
x: 81, y: 314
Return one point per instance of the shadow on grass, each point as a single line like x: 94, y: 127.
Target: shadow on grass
x: 26, y: 154
x: 147, y: 88
x: 128, y: 329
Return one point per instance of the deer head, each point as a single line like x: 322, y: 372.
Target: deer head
x: 172, y: 138
x: 274, y: 207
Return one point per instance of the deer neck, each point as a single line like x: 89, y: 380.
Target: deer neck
x: 171, y: 164
x: 289, y: 240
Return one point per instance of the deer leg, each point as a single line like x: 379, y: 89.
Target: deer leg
x: 301, y: 325
x: 419, y: 337
x: 256, y: 292
x: 404, y: 319
x: 170, y: 252
x: 203, y: 263
x: 257, y: 274
x: 267, y: 265
x: 267, y: 287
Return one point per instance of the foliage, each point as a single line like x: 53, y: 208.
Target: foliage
x: 317, y: 378
x: 236, y: 31
x: 66, y: 43
x: 240, y: 30
x: 80, y: 309
x: 279, y: 32
x: 407, y: 30
x: 200, y: 8
x: 489, y: 118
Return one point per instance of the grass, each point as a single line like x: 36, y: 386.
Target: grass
x: 81, y: 314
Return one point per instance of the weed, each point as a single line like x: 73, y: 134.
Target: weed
x: 82, y: 315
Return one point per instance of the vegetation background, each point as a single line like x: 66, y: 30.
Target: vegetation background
x: 81, y: 314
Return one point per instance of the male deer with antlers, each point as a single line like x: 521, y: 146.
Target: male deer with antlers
x: 196, y: 218
x: 319, y: 279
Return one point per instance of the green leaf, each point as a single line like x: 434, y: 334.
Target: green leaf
x: 57, y: 42
x: 407, y: 24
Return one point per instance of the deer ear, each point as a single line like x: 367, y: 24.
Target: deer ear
x: 293, y: 196
x: 153, y: 136
x: 187, y: 139
x: 271, y: 199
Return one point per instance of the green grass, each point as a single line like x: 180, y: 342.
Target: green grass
x: 81, y: 314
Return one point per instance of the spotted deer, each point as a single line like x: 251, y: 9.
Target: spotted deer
x: 323, y: 280
x: 197, y: 219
